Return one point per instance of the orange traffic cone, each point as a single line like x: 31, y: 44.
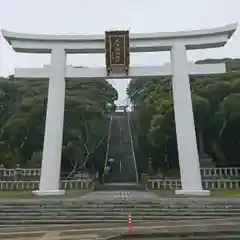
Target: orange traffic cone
x: 130, y: 227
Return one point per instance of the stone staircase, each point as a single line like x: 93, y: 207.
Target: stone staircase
x: 114, y: 207
x: 219, y: 234
x: 123, y: 176
x: 120, y: 187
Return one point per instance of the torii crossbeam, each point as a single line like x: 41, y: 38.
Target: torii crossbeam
x: 134, y: 72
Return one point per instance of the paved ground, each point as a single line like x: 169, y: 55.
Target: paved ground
x: 75, y: 194
x: 119, y: 195
x: 101, y: 196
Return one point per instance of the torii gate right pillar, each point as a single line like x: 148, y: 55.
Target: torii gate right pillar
x: 184, y: 121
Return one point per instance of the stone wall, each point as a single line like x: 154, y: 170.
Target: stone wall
x: 212, y: 178
x: 28, y: 174
x: 33, y: 185
x: 154, y: 184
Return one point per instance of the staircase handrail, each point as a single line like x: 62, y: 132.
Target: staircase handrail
x: 132, y: 147
x: 108, y: 141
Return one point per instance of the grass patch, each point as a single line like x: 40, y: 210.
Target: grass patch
x: 214, y: 193
x: 165, y: 193
x: 28, y: 194
x: 226, y: 193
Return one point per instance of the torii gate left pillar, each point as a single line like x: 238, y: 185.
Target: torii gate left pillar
x: 52, y: 147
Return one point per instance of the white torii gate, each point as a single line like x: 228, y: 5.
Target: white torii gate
x: 180, y: 69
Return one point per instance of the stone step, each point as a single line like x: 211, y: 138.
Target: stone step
x: 113, y: 214
x: 92, y: 220
x: 118, y: 209
x: 116, y: 206
x: 112, y: 211
x: 137, y: 195
x: 27, y: 228
x: 225, y: 234
x: 117, y: 199
x: 48, y: 236
x: 120, y: 187
x: 114, y: 217
x: 224, y: 237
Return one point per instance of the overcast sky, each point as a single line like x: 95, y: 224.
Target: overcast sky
x: 96, y: 16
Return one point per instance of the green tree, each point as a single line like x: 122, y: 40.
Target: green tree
x: 22, y: 120
x: 216, y: 111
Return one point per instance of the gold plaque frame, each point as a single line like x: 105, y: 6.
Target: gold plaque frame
x: 117, y: 49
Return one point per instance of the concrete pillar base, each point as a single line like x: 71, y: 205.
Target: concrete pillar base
x: 199, y: 192
x: 40, y: 193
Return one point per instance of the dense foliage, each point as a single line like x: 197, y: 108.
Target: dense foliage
x: 216, y: 103
x: 22, y: 121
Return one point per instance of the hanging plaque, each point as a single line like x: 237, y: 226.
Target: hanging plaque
x: 117, y: 51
